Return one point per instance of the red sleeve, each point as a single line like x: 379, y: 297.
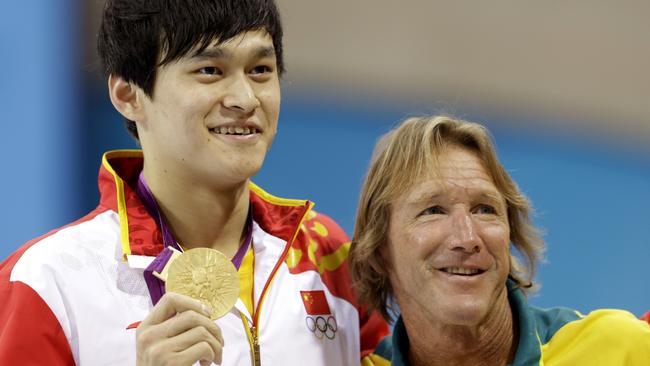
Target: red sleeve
x: 30, y: 334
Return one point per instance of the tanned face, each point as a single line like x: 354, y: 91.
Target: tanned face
x: 448, y: 245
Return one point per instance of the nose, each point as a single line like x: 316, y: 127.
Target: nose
x: 464, y: 237
x: 240, y: 95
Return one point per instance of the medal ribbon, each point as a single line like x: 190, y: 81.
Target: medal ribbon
x: 154, y: 284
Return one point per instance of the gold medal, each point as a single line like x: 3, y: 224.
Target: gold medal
x: 206, y: 275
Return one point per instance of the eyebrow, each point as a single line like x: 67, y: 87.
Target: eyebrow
x: 217, y: 52
x: 493, y: 196
x: 427, y: 196
x: 266, y: 51
x: 212, y: 52
x: 424, y: 197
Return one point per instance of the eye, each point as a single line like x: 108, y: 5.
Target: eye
x: 433, y: 210
x: 260, y: 69
x: 484, y: 209
x: 209, y: 70
x: 261, y: 73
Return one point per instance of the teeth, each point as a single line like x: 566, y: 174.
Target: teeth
x: 461, y: 271
x: 234, y: 130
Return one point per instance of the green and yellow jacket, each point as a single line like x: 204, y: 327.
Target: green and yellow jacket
x: 551, y: 337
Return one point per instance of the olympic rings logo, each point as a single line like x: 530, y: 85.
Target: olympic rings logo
x: 322, y: 327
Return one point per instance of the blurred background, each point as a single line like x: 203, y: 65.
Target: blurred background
x: 563, y: 86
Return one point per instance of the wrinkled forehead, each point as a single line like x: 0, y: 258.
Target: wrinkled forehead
x: 456, y: 164
x: 453, y: 169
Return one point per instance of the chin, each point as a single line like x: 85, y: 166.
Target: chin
x: 468, y: 313
x: 247, y: 169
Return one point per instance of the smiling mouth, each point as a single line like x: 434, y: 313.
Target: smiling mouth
x: 459, y: 271
x: 240, y: 131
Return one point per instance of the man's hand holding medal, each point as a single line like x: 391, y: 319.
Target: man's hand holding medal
x: 201, y: 285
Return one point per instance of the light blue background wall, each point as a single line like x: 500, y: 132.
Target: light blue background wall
x: 592, y: 199
x: 39, y: 87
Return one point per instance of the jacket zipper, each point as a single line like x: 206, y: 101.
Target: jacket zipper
x: 253, y: 329
x: 256, y: 347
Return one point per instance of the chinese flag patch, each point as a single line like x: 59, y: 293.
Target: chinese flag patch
x: 315, y: 302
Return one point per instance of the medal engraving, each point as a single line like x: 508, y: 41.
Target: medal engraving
x: 206, y: 275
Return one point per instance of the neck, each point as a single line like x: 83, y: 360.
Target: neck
x: 491, y: 343
x: 200, y: 215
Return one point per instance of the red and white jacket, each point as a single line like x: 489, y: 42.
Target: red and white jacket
x: 75, y: 295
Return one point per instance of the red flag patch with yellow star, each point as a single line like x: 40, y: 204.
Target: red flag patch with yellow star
x: 315, y: 302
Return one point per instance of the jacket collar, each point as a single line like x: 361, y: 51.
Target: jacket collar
x: 139, y: 233
x: 529, y: 345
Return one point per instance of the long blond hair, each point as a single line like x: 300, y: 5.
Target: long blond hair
x: 400, y: 158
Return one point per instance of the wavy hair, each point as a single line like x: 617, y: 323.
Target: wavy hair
x: 400, y: 158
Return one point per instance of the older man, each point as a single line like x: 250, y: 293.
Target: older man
x: 438, y: 219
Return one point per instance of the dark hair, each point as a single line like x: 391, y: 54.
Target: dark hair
x: 138, y: 36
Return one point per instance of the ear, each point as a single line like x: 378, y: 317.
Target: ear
x: 126, y: 98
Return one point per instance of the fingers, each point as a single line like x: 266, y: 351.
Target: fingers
x: 201, y: 352
x: 198, y: 352
x: 195, y: 340
x: 171, y: 304
x: 178, y: 329
x: 190, y: 319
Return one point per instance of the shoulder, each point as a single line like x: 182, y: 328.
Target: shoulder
x: 323, y: 228
x: 33, y: 281
x: 610, y: 322
x: 616, y: 326
x: 324, y: 241
x: 94, y: 228
x: 320, y: 244
x: 612, y: 335
x: 549, y: 320
x: 38, y: 261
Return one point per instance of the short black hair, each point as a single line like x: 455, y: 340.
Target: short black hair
x: 135, y: 34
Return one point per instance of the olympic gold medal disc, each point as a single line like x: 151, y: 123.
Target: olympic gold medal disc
x: 206, y: 275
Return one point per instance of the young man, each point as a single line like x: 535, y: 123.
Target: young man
x: 198, y: 82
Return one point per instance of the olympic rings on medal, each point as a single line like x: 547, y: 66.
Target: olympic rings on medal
x: 322, y: 326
